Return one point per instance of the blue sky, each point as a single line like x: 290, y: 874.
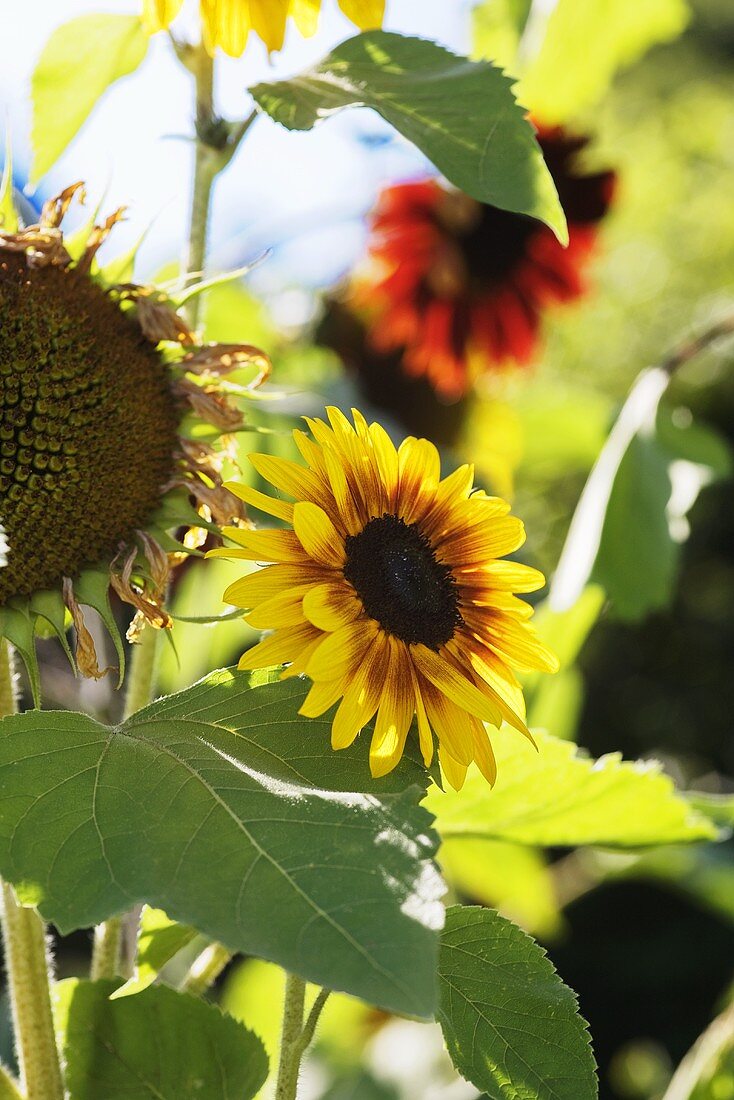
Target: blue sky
x: 300, y: 194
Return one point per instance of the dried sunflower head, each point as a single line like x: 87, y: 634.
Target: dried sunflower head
x: 112, y: 417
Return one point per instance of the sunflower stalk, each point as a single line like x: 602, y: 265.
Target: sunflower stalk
x: 296, y: 1035
x: 205, y: 969
x: 217, y: 142
x: 290, y: 1058
x: 28, y: 969
x: 109, y: 936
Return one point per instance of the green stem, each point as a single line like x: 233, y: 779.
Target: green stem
x: 290, y: 1061
x: 205, y: 969
x: 108, y: 937
x: 140, y: 686
x: 28, y: 968
x: 206, y: 167
x: 309, y: 1028
x: 106, y: 951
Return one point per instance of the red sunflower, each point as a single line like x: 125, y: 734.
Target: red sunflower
x: 459, y: 286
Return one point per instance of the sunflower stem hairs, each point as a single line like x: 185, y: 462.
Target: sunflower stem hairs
x: 388, y: 592
x: 113, y: 433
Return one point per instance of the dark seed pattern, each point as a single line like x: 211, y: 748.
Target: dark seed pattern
x: 88, y: 425
x: 392, y: 567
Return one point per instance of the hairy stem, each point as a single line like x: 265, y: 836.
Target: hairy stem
x: 109, y: 936
x: 28, y: 968
x: 206, y: 167
x: 290, y: 1058
x: 143, y: 667
x: 205, y: 969
x: 106, y: 951
x: 296, y: 1036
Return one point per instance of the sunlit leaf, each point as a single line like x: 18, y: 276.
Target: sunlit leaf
x: 556, y: 796
x: 461, y: 114
x: 512, y: 878
x: 584, y: 45
x: 159, y: 940
x: 158, y: 1044
x: 554, y: 702
x: 645, y: 481
x: 223, y: 807
x: 78, y: 63
x: 511, y: 1026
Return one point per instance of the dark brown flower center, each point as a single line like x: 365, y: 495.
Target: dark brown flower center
x: 394, y: 571
x: 88, y: 425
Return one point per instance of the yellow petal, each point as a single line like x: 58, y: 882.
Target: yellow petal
x: 279, y: 508
x: 394, y: 714
x: 318, y: 535
x: 346, y: 506
x: 285, y: 609
x: 330, y: 606
x: 451, y: 723
x: 341, y: 651
x: 456, y: 686
x: 366, y: 14
x: 289, y: 477
x: 483, y: 752
x: 320, y: 698
x: 387, y: 462
x: 262, y: 584
x: 508, y: 575
x: 159, y: 14
x: 306, y: 16
x: 268, y: 21
x: 362, y: 696
x: 425, y: 736
x: 454, y: 772
x: 226, y: 24
x: 492, y: 539
x: 521, y: 647
x: 284, y: 645
x: 271, y: 546
x: 420, y: 468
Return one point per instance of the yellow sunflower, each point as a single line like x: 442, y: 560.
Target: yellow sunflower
x: 388, y: 593
x: 228, y: 23
x: 113, y: 432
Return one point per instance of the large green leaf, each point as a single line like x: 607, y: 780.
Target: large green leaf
x: 511, y: 1026
x: 556, y: 796
x: 585, y: 44
x: 161, y: 1045
x: 224, y: 808
x: 78, y: 63
x: 460, y: 113
x: 645, y: 481
x: 555, y: 702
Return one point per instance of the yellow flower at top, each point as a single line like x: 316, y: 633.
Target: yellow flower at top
x: 227, y: 23
x: 388, y: 592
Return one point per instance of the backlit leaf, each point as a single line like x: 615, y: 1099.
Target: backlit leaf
x: 460, y: 113
x: 224, y: 808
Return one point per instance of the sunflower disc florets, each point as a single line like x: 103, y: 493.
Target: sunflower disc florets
x: 97, y: 382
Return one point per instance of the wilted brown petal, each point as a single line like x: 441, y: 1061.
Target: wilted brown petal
x: 54, y: 209
x: 223, y: 505
x: 221, y: 359
x: 86, y: 653
x: 150, y: 604
x: 41, y: 246
x: 97, y: 237
x: 210, y: 406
